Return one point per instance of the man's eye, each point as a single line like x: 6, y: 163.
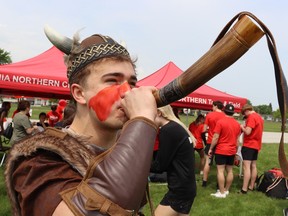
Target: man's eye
x: 111, y: 80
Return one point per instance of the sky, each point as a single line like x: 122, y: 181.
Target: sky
x: 156, y: 32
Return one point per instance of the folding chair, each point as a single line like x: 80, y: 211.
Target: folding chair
x: 3, y: 149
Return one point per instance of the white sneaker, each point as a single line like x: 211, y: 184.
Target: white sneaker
x: 225, y: 192
x: 219, y: 195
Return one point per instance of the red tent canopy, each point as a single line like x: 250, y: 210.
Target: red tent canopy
x: 41, y: 76
x: 201, y: 98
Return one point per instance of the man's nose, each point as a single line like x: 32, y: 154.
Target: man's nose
x: 123, y: 88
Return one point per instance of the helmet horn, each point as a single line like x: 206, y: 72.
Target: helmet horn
x: 61, y: 42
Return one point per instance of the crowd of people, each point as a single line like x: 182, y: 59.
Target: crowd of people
x: 216, y: 137
x: 22, y: 124
x: 223, y: 141
x: 99, y: 165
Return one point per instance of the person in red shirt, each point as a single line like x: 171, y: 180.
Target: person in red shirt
x: 60, y: 108
x: 252, y: 143
x: 209, y: 125
x: 196, y: 128
x: 224, y: 145
x: 53, y: 116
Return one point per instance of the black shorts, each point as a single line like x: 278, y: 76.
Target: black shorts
x: 224, y: 159
x: 249, y: 153
x: 207, y: 147
x: 180, y: 206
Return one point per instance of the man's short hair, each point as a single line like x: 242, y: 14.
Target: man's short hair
x: 23, y: 104
x: 42, y: 114
x: 219, y: 104
x: 53, y: 107
x: 246, y: 107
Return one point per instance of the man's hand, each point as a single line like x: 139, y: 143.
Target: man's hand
x: 140, y: 102
x: 210, y: 153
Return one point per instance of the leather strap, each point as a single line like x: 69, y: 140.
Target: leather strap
x: 100, y: 203
x: 281, y: 84
x: 152, y: 211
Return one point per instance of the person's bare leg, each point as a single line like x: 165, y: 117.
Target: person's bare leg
x: 247, y: 174
x: 167, y: 211
x: 206, y: 170
x: 221, y: 178
x: 253, y: 175
x: 202, y: 159
x: 229, y: 177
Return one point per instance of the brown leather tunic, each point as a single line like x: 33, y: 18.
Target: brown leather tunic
x: 38, y: 180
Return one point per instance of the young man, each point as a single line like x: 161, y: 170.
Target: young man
x: 225, y: 143
x: 90, y: 168
x: 252, y: 143
x: 42, y: 121
x: 209, y: 125
x: 23, y: 127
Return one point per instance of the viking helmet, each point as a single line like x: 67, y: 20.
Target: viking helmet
x: 90, y: 49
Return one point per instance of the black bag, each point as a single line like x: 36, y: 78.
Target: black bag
x: 9, y: 131
x: 278, y: 189
x: 264, y: 181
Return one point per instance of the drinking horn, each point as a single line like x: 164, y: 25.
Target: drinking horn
x: 228, y: 48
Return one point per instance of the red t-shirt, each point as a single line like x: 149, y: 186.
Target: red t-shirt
x: 197, y: 130
x: 14, y: 113
x: 156, y: 144
x: 53, y: 118
x: 210, y: 121
x: 60, y: 110
x: 229, y: 130
x: 254, y: 139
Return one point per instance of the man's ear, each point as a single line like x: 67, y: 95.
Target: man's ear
x: 77, y: 93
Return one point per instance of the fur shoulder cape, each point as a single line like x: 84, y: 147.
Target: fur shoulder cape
x: 72, y: 150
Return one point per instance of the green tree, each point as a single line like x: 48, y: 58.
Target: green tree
x: 5, y: 57
x: 264, y: 109
x: 270, y: 106
x: 277, y: 114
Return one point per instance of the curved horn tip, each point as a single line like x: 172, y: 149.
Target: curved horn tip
x: 61, y: 42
